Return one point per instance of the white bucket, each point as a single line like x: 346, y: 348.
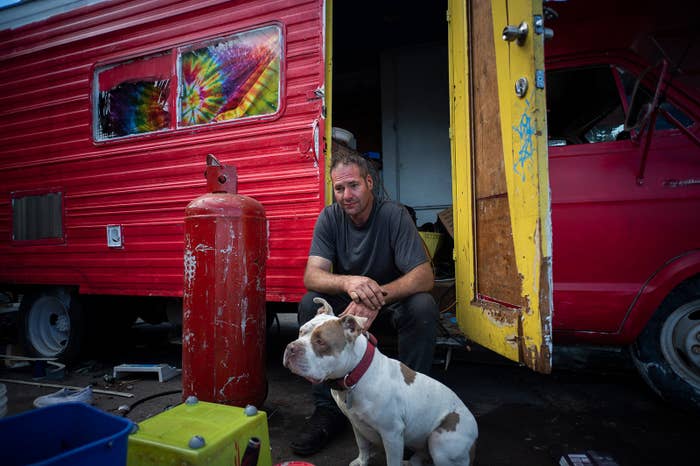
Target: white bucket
x: 3, y: 400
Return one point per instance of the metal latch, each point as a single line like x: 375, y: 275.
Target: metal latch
x: 515, y: 33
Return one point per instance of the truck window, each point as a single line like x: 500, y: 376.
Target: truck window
x: 584, y: 105
x: 629, y: 80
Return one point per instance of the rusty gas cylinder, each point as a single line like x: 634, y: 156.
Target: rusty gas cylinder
x: 223, y: 325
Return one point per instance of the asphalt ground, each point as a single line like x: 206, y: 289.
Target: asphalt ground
x: 592, y: 401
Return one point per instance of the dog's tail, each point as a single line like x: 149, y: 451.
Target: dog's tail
x: 326, y: 309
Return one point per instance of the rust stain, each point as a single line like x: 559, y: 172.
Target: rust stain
x: 538, y: 358
x: 499, y: 314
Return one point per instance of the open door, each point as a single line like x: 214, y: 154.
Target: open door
x: 500, y: 186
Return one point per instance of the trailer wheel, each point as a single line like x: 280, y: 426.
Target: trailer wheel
x: 51, y: 324
x: 667, y: 352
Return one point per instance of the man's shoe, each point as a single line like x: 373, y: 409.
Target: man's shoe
x: 321, y: 427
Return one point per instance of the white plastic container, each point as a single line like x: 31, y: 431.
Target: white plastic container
x: 344, y: 136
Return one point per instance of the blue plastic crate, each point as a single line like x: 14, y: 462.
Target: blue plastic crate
x: 64, y: 434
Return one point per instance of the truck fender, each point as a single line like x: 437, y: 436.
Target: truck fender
x: 655, y: 289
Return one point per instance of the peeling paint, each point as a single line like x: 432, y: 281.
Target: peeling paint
x: 230, y: 380
x: 244, y: 317
x: 190, y: 268
x: 500, y: 315
x: 546, y: 303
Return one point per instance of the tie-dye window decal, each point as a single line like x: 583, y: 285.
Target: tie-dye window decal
x: 232, y: 78
x: 132, y: 98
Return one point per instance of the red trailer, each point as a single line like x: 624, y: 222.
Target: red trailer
x: 109, y: 113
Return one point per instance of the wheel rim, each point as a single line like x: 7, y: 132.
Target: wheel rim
x: 48, y: 326
x: 680, y: 342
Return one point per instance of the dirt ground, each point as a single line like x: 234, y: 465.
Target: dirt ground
x: 593, y: 400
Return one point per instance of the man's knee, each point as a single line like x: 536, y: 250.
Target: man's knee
x: 418, y: 310
x: 422, y: 307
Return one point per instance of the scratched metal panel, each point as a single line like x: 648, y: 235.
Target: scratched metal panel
x: 144, y: 183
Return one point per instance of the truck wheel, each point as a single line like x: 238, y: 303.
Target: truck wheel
x: 667, y: 352
x: 51, y: 324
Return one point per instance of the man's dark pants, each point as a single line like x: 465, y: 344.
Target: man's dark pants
x: 414, y: 318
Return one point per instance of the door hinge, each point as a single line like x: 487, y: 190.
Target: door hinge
x: 539, y: 79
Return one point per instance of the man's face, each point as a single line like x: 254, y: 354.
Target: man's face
x: 353, y: 192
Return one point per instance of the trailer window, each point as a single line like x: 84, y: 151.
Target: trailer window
x: 132, y: 97
x: 37, y: 217
x: 232, y: 78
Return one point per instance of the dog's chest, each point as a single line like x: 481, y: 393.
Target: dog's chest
x: 363, y: 416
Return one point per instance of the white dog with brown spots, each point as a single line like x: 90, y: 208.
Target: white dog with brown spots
x: 388, y: 404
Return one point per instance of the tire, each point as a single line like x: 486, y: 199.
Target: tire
x: 667, y: 352
x: 51, y: 324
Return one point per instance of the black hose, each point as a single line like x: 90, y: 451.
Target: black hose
x: 124, y: 410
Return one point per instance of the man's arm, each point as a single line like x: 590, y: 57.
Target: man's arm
x: 318, y: 277
x: 419, y: 279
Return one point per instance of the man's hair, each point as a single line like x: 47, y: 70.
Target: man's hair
x: 345, y: 156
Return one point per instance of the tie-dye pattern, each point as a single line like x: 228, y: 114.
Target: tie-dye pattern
x: 134, y: 107
x: 232, y: 79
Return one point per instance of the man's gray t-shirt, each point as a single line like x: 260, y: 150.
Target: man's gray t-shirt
x: 385, y: 248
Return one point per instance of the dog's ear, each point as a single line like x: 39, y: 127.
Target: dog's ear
x: 326, y: 309
x: 353, y: 325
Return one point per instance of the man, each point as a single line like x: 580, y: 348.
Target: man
x: 366, y: 259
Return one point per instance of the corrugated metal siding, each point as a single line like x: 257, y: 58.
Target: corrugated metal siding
x: 145, y: 183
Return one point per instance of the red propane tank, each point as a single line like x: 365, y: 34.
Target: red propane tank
x: 223, y: 324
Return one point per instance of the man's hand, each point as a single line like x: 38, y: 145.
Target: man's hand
x: 360, y: 310
x: 365, y: 291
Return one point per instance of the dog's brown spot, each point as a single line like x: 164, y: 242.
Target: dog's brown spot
x: 449, y: 423
x: 328, y: 338
x: 409, y: 375
x: 352, y: 326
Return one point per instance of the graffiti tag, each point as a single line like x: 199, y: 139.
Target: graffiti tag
x: 525, y: 131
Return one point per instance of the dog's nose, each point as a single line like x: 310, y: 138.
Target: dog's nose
x: 291, y: 352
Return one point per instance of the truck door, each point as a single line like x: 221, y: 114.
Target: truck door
x: 500, y: 186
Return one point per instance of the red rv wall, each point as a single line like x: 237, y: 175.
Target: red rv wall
x: 144, y: 182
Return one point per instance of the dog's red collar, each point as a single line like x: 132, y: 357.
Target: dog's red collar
x: 351, y: 378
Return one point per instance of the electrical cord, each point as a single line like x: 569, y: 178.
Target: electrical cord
x: 124, y: 410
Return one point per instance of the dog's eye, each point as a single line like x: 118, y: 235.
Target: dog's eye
x: 319, y: 341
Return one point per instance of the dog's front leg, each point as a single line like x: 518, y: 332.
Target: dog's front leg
x: 365, y: 449
x: 393, y: 447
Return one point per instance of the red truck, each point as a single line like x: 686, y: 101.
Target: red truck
x: 110, y: 107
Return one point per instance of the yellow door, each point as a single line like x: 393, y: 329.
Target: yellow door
x: 501, y: 211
